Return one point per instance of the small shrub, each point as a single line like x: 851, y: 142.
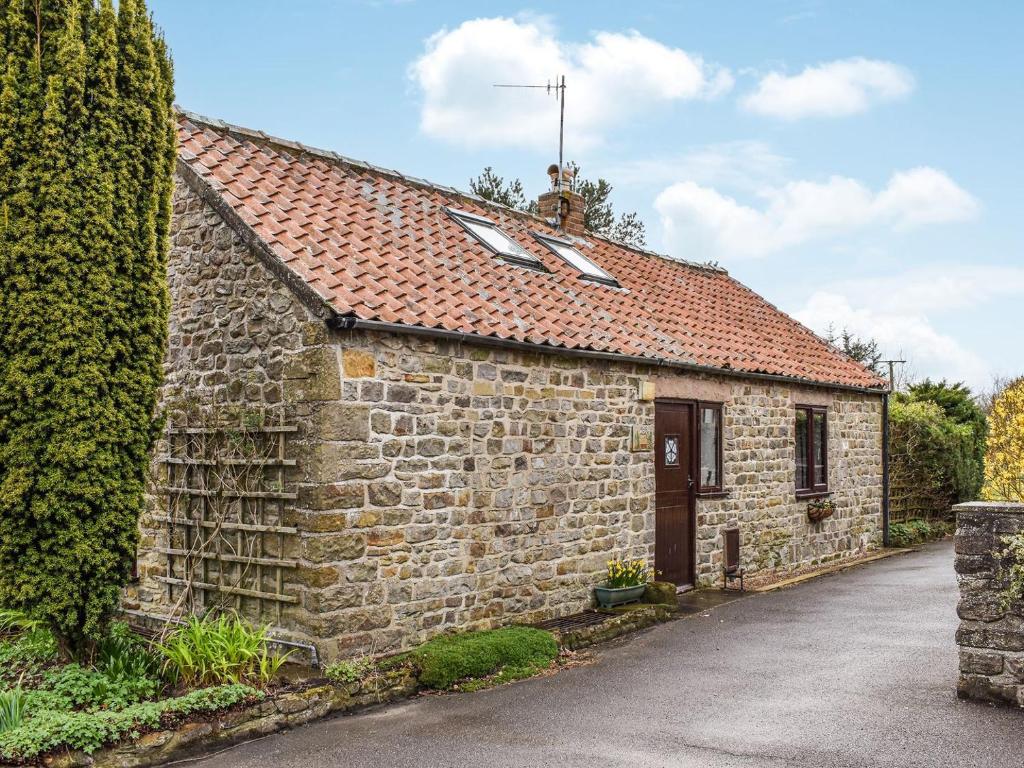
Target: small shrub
x: 900, y: 535
x: 351, y: 671
x: 916, y: 532
x: 627, y: 573
x: 12, y: 708
x: 512, y: 652
x: 221, y: 650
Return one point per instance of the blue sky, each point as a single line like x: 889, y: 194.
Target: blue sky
x: 857, y: 163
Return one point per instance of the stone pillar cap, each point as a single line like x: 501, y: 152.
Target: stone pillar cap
x: 1002, y: 507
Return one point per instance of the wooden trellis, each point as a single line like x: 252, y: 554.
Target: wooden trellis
x: 226, y: 541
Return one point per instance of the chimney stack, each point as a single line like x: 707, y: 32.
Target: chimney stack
x: 566, y: 210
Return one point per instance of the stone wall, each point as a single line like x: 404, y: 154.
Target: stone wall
x: 759, y: 471
x: 445, y: 485
x: 991, y: 632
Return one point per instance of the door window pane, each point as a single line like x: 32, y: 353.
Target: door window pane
x: 671, y: 450
x: 801, y: 449
x: 710, y: 435
x: 820, y: 437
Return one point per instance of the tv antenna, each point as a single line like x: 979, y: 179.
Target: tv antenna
x: 558, y: 89
x: 892, y: 372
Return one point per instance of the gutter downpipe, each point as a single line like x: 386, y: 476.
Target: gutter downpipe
x: 885, y: 469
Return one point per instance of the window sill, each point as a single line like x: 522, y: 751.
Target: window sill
x: 712, y: 494
x: 801, y: 495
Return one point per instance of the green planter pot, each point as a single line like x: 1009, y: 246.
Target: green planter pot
x: 608, y: 597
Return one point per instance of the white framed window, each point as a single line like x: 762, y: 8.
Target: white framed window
x: 488, y: 234
x: 570, y: 254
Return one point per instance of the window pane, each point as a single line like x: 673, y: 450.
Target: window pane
x: 801, y: 449
x: 672, y: 450
x: 709, y: 437
x: 581, y: 262
x: 497, y: 240
x: 820, y: 449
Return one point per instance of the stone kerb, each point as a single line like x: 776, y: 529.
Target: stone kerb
x: 991, y: 632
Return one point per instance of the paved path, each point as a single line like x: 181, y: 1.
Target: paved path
x: 854, y: 669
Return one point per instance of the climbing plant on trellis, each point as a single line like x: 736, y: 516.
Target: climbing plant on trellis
x: 224, y: 538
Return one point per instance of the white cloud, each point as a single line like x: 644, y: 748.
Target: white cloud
x: 937, y: 288
x: 908, y: 335
x: 744, y: 164
x: 610, y: 80
x: 835, y: 89
x: 703, y: 222
x: 898, y: 311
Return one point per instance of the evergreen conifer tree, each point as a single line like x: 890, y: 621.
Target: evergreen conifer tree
x: 87, y: 154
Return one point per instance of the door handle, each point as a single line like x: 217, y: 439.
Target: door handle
x: 689, y: 481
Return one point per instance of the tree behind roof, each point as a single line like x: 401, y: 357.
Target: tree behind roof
x: 864, y: 350
x: 598, y: 216
x: 87, y: 151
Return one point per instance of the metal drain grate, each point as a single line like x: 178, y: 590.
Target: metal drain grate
x: 573, y: 622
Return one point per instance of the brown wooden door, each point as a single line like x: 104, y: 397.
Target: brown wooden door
x: 673, y: 479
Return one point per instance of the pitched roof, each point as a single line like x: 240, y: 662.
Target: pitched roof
x: 377, y: 245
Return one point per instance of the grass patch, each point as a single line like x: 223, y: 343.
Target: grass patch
x: 477, y: 660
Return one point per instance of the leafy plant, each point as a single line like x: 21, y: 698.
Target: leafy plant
x: 225, y: 649
x: 350, y: 671
x: 512, y: 652
x: 627, y: 573
x: 916, y: 532
x: 14, y: 622
x: 12, y: 708
x: 122, y: 655
x: 88, y: 730
x: 73, y: 685
x: 26, y: 653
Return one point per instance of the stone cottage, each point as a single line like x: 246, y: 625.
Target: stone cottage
x: 469, y: 409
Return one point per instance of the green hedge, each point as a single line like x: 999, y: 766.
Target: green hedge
x: 932, y: 462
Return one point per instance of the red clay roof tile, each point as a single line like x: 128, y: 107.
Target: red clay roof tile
x: 380, y: 247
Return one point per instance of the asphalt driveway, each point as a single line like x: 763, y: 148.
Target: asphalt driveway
x: 854, y: 669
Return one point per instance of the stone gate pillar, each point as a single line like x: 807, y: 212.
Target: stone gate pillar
x: 991, y: 632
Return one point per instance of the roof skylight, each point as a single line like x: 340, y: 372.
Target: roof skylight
x: 487, y: 232
x: 571, y: 254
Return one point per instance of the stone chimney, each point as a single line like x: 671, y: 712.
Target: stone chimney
x: 566, y: 210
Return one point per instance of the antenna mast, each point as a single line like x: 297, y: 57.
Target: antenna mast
x: 558, y: 88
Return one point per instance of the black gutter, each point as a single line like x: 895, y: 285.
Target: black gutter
x: 349, y: 323
x: 885, y: 469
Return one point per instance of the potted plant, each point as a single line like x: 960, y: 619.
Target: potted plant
x: 626, y: 582
x: 819, y: 509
